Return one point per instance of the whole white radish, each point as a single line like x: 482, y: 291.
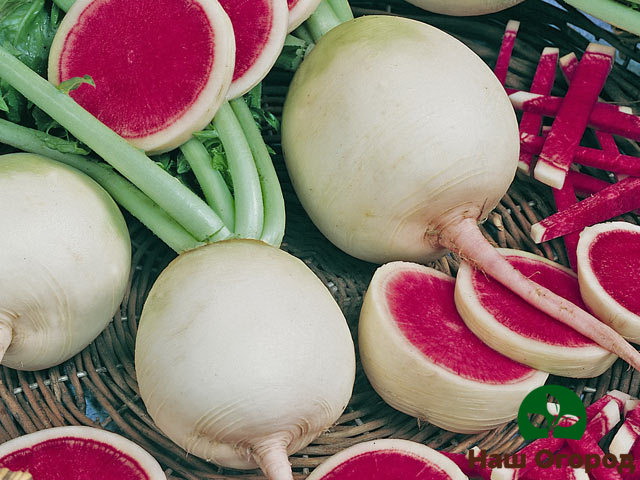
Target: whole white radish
x: 399, y: 140
x: 65, y: 254
x: 243, y: 356
x: 464, y: 8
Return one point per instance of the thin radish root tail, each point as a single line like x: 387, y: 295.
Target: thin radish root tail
x: 272, y: 458
x: 6, y: 335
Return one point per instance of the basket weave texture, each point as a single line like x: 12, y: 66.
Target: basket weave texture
x: 102, y: 377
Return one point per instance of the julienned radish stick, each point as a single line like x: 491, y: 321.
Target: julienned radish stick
x: 564, y: 197
x: 506, y: 48
x: 617, y: 199
x: 585, y: 185
x: 543, y: 79
x: 176, y: 199
x: 570, y: 123
x: 401, y: 195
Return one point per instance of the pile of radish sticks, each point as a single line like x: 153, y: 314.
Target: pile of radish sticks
x: 551, y: 153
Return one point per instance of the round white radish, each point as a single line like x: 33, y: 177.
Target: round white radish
x: 260, y: 345
x: 399, y: 140
x: 516, y: 329
x: 422, y: 359
x: 79, y: 453
x: 299, y: 11
x: 65, y: 254
x: 464, y: 8
x: 161, y: 68
x: 388, y: 459
x: 608, y: 268
x: 260, y: 28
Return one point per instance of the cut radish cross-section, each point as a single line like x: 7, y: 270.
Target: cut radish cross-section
x: 79, y: 453
x: 388, y: 459
x: 260, y: 28
x: 522, y: 332
x: 161, y: 68
x: 609, y: 287
x: 423, y: 360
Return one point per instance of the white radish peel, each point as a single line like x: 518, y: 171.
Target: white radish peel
x: 260, y: 345
x: 464, y: 8
x: 65, y: 254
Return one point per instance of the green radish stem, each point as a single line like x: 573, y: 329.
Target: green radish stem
x: 211, y: 182
x: 177, y: 200
x: 249, y: 209
x: 612, y: 12
x: 303, y: 33
x: 64, y: 5
x: 322, y: 20
x: 342, y: 9
x: 122, y: 191
x: 274, y: 211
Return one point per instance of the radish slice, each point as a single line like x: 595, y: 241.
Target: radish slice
x: 260, y: 28
x: 79, y: 453
x: 161, y: 67
x: 299, y: 11
x: 608, y: 287
x: 516, y: 329
x: 388, y: 459
x: 627, y: 435
x: 423, y: 360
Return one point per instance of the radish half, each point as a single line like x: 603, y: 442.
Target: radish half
x: 260, y: 27
x: 608, y: 270
x: 79, y: 453
x: 260, y: 344
x: 161, y: 67
x: 422, y: 359
x: 516, y: 329
x: 299, y: 11
x: 388, y: 459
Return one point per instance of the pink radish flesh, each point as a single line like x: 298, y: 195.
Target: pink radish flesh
x: 71, y: 458
x: 436, y: 329
x: 506, y: 48
x: 619, y: 279
x: 521, y: 317
x: 386, y: 465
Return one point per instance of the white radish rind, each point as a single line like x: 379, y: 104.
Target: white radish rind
x: 464, y: 8
x: 127, y: 447
x: 413, y: 383
x: 260, y: 345
x: 299, y: 11
x: 578, y: 361
x: 278, y: 22
x: 392, y: 446
x: 599, y: 300
x: 171, y: 132
x: 65, y: 257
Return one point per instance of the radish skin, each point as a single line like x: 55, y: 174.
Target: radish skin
x: 464, y: 8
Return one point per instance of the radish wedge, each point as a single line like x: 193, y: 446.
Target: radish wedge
x: 78, y: 453
x: 609, y: 287
x: 388, y: 459
x: 260, y: 28
x: 299, y: 11
x: 153, y: 89
x: 422, y: 360
x: 516, y: 329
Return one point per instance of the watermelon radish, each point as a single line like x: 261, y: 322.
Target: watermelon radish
x: 299, y: 11
x: 608, y: 267
x: 79, y: 453
x: 516, y: 329
x: 388, y: 459
x: 161, y: 67
x: 422, y: 359
x: 260, y: 28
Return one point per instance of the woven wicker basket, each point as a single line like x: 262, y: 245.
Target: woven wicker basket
x: 98, y: 386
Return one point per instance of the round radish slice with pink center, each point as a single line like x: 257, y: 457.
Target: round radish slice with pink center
x: 260, y: 28
x: 161, y: 68
x: 423, y: 360
x: 388, y: 459
x: 299, y: 11
x: 79, y: 453
x: 608, y: 269
x: 513, y: 327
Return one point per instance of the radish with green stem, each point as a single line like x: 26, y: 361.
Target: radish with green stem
x: 412, y: 173
x: 58, y: 290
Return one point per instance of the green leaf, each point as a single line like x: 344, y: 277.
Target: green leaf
x: 3, y: 105
x: 74, y: 82
x: 65, y: 146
